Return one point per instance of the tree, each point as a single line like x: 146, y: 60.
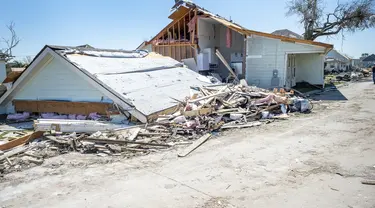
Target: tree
x: 27, y: 60
x: 11, y: 42
x: 352, y: 16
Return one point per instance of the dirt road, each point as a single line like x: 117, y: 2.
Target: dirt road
x: 315, y: 160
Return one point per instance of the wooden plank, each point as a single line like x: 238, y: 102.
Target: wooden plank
x: 257, y: 123
x: 202, y: 111
x: 179, y: 33
x: 121, y: 142
x: 43, y: 106
x: 173, y: 33
x: 244, y: 57
x: 25, y: 105
x: 178, y: 48
x: 154, y: 116
x: 12, y: 76
x: 21, y: 140
x: 194, y: 146
x: 180, y: 12
x: 183, y: 55
x: 222, y: 59
x: 184, y: 28
x: 134, y: 135
x: 13, y: 152
x: 173, y: 52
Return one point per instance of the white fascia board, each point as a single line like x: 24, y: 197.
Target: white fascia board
x: 24, y: 76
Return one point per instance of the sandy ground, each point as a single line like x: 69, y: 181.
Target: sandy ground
x: 315, y: 160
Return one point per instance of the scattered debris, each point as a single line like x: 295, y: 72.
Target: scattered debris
x: 194, y: 146
x: 208, y: 109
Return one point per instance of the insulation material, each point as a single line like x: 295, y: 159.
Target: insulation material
x: 229, y: 38
x: 19, y: 116
x: 192, y: 24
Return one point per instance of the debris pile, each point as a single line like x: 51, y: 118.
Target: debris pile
x: 208, y: 109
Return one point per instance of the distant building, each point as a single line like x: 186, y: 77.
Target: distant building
x: 336, y: 61
x: 287, y: 33
x: 368, y: 61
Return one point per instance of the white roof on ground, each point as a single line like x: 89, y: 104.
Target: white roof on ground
x: 149, y: 83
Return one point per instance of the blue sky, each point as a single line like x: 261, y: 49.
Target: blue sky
x: 124, y: 24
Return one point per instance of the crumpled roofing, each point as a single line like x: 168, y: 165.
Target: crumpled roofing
x: 150, y: 82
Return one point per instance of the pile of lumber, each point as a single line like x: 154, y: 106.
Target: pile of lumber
x: 208, y: 109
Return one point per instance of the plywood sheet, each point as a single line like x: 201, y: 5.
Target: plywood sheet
x: 61, y: 107
x: 180, y: 12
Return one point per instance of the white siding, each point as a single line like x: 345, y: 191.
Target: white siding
x: 265, y: 55
x: 308, y: 66
x: 57, y: 82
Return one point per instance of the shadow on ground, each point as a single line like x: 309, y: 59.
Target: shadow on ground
x: 334, y: 95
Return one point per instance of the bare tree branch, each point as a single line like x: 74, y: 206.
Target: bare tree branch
x: 351, y: 16
x: 11, y: 42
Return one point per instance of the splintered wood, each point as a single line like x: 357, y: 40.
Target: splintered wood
x: 194, y: 146
x: 209, y: 109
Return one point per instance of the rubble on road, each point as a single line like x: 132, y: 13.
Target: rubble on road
x: 208, y: 109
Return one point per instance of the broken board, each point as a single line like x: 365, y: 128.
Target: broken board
x: 194, y: 146
x: 21, y: 140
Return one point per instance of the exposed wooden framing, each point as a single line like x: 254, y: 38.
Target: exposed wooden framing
x: 173, y: 38
x: 183, y: 52
x: 244, y: 57
x: 179, y: 34
x: 196, y: 24
x: 167, y: 34
x: 185, y: 28
x: 192, y: 52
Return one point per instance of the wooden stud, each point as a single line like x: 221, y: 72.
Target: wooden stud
x: 173, y: 33
x: 184, y: 28
x: 179, y: 33
x: 244, y: 57
x: 196, y: 23
x: 183, y: 52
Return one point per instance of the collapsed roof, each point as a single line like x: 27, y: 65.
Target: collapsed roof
x: 141, y: 83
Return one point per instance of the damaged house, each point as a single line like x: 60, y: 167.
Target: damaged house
x: 264, y: 60
x: 83, y: 80
x: 335, y: 61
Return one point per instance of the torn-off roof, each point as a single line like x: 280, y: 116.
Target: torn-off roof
x: 234, y: 26
x: 149, y: 82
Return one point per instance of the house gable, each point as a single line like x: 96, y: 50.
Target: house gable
x: 54, y: 81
